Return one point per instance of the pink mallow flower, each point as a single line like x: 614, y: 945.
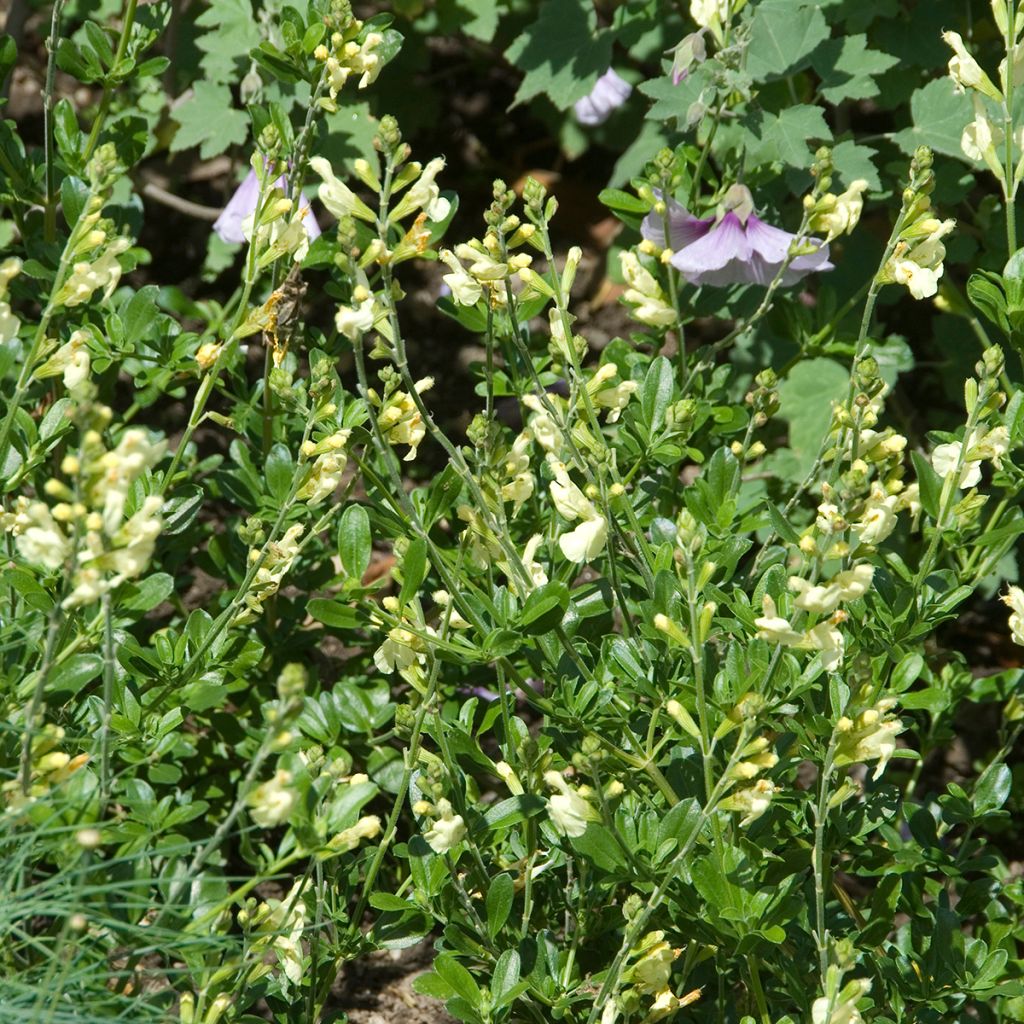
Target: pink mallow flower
x: 736, y: 247
x: 609, y: 93
x: 230, y: 224
x: 683, y: 228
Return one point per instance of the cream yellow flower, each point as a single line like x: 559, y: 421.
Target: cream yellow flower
x: 568, y: 811
x: 447, y: 831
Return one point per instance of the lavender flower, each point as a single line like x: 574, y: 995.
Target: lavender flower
x: 609, y: 93
x: 683, y: 228
x: 230, y: 225
x: 736, y: 247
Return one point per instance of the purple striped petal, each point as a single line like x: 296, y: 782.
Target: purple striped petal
x: 751, y: 253
x: 683, y: 228
x: 719, y: 258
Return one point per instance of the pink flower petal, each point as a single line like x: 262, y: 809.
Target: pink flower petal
x: 771, y: 246
x: 683, y: 228
x: 734, y: 253
x: 229, y: 224
x: 243, y: 203
x: 719, y: 258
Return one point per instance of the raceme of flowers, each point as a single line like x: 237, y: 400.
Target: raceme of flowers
x: 87, y: 531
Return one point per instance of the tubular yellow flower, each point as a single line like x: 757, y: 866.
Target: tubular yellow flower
x: 965, y: 70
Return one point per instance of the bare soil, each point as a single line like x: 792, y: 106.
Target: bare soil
x: 377, y: 989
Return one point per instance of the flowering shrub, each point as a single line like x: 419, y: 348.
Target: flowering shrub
x: 631, y: 691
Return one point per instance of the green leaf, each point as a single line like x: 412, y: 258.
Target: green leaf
x: 616, y: 199
x: 278, y: 471
x: 680, y: 823
x: 544, y: 608
x: 894, y: 356
x: 388, y: 902
x: 179, y: 511
x: 598, y: 845
x: 656, y: 393
x: 234, y: 31
x: 354, y: 542
x: 993, y: 789
x: 984, y: 289
x: 470, y: 317
x: 432, y: 985
x: 782, y: 39
x: 781, y: 525
x: 333, y: 613
x: 939, y: 117
x: 852, y: 161
x: 505, y: 977
x: 786, y: 137
x: 673, y: 100
x: 513, y: 810
x: 848, y: 68
x: 499, y: 903
x: 476, y: 18
x: 70, y: 676
x: 414, y: 569
x: 66, y: 133
x: 560, y: 53
x: 458, y: 979
x: 145, y: 595
x: 929, y: 483
x: 209, y: 121
x: 73, y: 196
x: 28, y: 589
x: 351, y: 133
x: 312, y: 37
x: 83, y: 64
x: 907, y: 672
x: 279, y: 64
x: 805, y: 400
x: 8, y: 56
x: 56, y: 420
x: 500, y: 643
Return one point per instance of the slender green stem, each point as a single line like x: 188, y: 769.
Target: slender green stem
x: 638, y: 925
x: 36, y: 703
x: 127, y: 22
x: 268, y: 402
x: 697, y: 658
x: 705, y: 151
x: 28, y: 364
x: 754, y: 967
x: 818, y: 860
x: 250, y: 277
x: 50, y: 198
x: 747, y: 325
x: 673, y: 296
x: 1010, y: 180
x: 225, y: 618
x: 391, y: 828
x: 947, y: 501
x: 108, y: 696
